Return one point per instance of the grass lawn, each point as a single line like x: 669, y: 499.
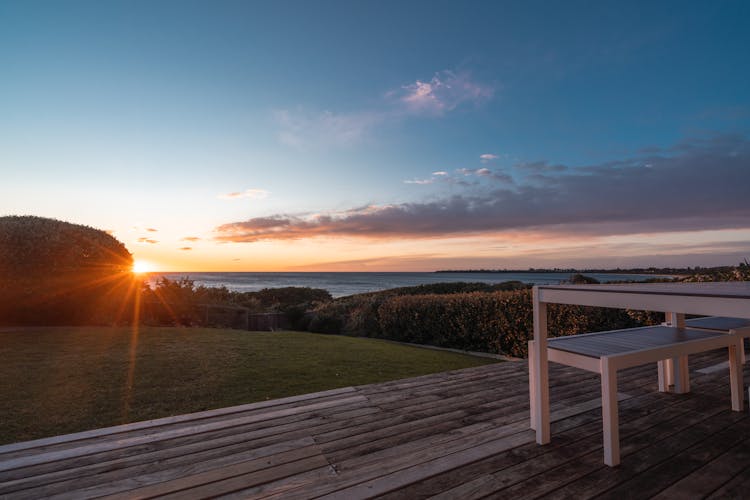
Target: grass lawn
x: 61, y: 380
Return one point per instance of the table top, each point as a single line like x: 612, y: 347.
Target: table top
x: 728, y: 289
x: 727, y: 298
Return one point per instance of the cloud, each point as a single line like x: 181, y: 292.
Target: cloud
x: 399, y: 262
x: 701, y: 187
x: 186, y: 248
x: 151, y: 230
x: 147, y: 240
x: 420, y: 181
x: 446, y: 178
x: 485, y: 173
x: 310, y: 130
x: 253, y: 194
x: 190, y: 238
x: 315, y: 130
x: 445, y: 92
x: 538, y: 167
x: 488, y: 157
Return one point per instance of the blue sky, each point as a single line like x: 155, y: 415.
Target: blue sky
x: 383, y: 135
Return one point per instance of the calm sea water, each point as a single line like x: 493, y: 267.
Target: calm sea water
x: 340, y: 284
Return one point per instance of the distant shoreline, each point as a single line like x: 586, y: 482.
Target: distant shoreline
x: 659, y: 272
x: 341, y: 284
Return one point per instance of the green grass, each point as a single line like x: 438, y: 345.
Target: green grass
x: 60, y: 380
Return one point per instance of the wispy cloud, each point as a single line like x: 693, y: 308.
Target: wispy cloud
x: 420, y: 181
x: 488, y: 157
x: 485, y: 173
x: 253, y: 194
x: 190, y: 238
x: 700, y: 187
x: 310, y: 130
x: 544, y: 167
x: 147, y: 240
x: 315, y: 130
x: 151, y: 230
x: 445, y: 92
x: 443, y: 177
x: 186, y: 248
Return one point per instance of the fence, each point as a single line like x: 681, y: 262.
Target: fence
x: 212, y: 315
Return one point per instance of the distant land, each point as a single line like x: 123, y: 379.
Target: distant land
x: 675, y: 271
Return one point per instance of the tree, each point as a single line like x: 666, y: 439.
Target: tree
x: 55, y: 272
x: 581, y: 279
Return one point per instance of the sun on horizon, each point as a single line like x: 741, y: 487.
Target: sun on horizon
x: 142, y: 267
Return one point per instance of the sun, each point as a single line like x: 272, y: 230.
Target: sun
x: 142, y: 266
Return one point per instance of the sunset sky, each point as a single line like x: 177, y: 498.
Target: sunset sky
x: 383, y: 136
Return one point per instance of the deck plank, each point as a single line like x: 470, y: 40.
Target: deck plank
x: 711, y: 476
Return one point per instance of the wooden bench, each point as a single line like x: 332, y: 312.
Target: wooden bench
x: 720, y: 324
x: 606, y: 353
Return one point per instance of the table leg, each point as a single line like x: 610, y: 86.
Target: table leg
x: 681, y: 375
x: 735, y: 376
x: 540, y: 388
x: 610, y: 417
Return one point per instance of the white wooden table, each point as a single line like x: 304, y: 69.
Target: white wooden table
x: 674, y: 299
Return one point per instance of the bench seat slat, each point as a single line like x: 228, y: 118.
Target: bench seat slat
x: 623, y: 341
x: 718, y: 323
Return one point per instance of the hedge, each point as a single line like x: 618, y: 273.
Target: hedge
x: 496, y: 322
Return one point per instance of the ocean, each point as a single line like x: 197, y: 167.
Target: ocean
x: 341, y: 284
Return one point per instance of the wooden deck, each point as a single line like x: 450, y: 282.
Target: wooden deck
x: 461, y: 434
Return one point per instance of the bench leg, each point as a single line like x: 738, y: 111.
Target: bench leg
x: 532, y: 400
x: 664, y: 375
x: 540, y: 396
x: 678, y: 367
x: 610, y: 418
x: 743, y: 358
x: 735, y: 376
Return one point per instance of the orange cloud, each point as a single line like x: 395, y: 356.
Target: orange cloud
x: 253, y: 194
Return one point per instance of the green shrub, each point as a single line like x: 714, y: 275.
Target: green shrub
x: 58, y: 273
x: 468, y: 321
x: 740, y: 272
x: 458, y: 287
x: 582, y: 279
x: 496, y: 322
x: 180, y: 302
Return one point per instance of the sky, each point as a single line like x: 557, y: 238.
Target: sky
x: 383, y: 135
